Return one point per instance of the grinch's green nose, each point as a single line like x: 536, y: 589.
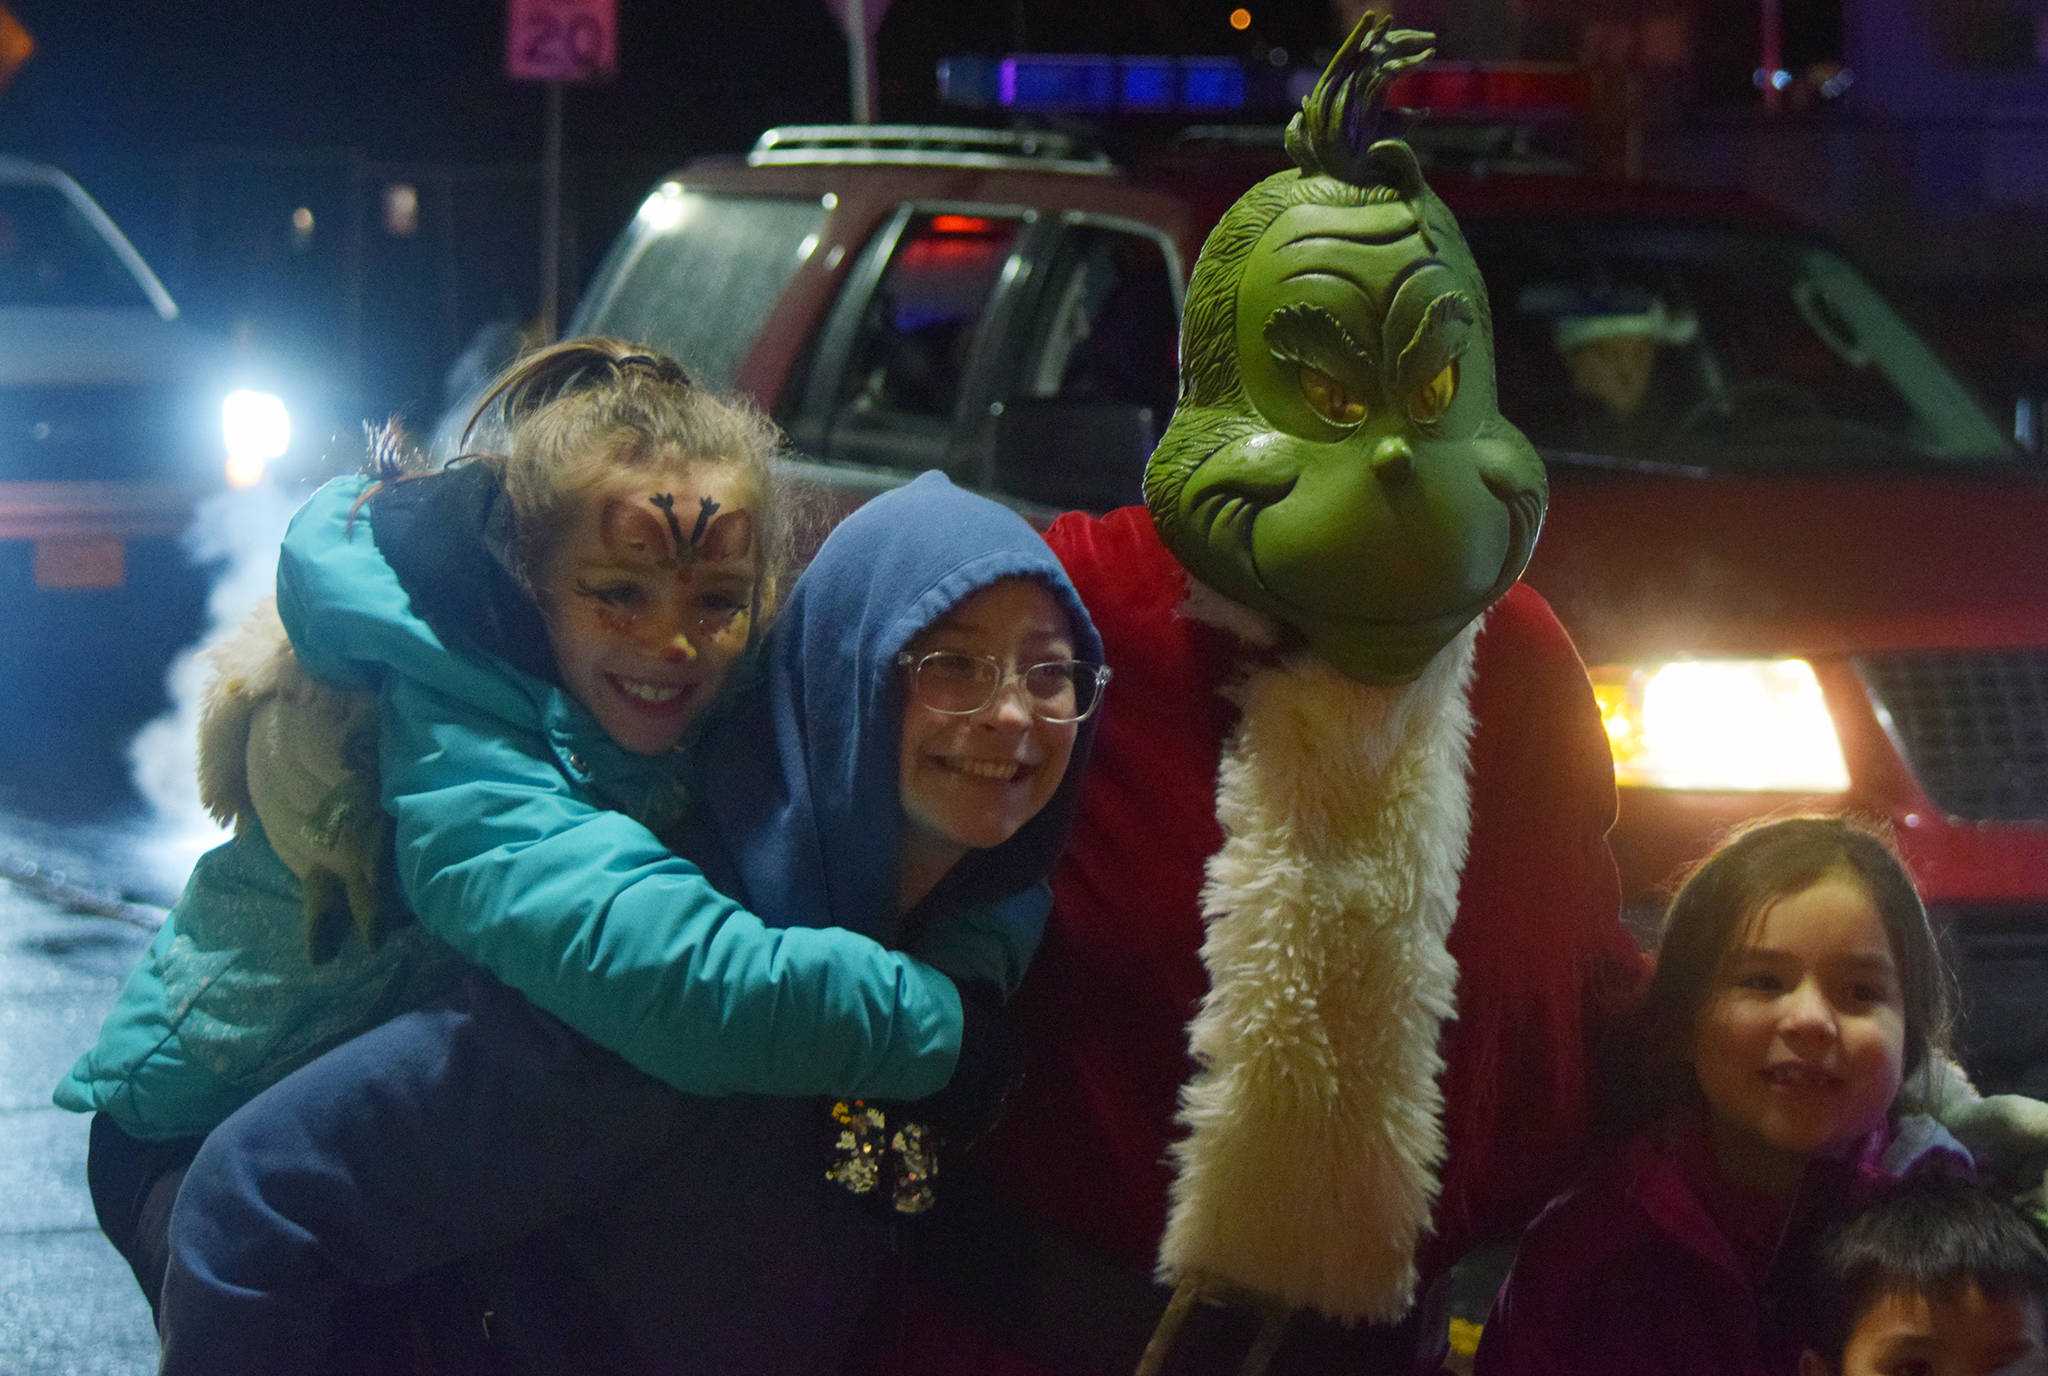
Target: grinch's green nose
x: 1393, y: 460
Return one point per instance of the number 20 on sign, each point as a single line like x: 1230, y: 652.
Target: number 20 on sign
x: 560, y: 40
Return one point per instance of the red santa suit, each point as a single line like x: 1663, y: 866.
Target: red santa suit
x: 1543, y: 963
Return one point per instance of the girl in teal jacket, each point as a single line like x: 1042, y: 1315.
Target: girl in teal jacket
x: 525, y: 787
x: 905, y: 752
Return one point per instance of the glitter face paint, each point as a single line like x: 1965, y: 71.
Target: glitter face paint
x: 646, y: 621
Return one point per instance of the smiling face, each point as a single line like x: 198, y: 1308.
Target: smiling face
x: 972, y: 782
x: 1801, y: 1046
x: 647, y: 597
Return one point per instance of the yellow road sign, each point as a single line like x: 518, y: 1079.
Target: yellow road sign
x: 15, y: 45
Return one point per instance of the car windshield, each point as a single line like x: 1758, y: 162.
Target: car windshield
x: 1712, y: 348
x: 696, y: 275
x: 51, y: 254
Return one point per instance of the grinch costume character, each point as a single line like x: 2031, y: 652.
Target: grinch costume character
x: 1338, y: 924
x: 1337, y: 938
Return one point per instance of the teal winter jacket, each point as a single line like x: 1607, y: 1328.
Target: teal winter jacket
x: 525, y: 842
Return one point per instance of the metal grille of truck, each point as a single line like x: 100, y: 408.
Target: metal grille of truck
x: 102, y: 432
x: 1973, y: 727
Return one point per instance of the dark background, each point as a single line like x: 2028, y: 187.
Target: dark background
x: 203, y: 129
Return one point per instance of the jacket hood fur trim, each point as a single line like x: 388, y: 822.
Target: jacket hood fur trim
x: 278, y: 746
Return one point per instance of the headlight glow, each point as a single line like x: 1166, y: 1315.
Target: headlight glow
x: 665, y: 209
x: 256, y: 428
x: 1738, y: 725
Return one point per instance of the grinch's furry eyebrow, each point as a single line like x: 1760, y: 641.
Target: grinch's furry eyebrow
x: 1311, y: 335
x: 1441, y: 338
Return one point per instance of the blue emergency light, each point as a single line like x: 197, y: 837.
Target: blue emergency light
x: 1092, y: 83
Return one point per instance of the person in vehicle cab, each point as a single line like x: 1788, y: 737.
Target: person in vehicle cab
x: 1611, y: 344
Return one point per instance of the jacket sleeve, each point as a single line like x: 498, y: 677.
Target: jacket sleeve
x: 585, y: 912
x: 991, y: 941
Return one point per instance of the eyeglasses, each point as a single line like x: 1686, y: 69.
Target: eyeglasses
x: 1059, y: 691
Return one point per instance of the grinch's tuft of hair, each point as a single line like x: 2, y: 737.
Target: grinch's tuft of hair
x: 1342, y: 118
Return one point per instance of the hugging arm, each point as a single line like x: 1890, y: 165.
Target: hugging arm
x: 584, y: 911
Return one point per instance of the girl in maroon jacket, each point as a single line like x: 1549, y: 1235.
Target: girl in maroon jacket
x: 1798, y: 982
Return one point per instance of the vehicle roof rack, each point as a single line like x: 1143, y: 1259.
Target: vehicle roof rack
x: 1265, y: 134
x: 932, y: 144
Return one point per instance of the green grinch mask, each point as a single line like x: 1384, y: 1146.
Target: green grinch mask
x: 1338, y: 460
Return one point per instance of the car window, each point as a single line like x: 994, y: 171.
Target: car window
x: 696, y: 275
x: 1107, y: 324
x: 1711, y: 347
x: 51, y: 254
x: 1091, y: 372
x: 896, y: 397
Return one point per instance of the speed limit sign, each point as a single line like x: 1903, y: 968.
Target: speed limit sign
x: 560, y: 40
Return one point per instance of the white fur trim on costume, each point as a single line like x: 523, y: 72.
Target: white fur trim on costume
x: 1315, y: 1119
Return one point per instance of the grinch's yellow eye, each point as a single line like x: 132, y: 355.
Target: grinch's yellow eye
x: 1328, y: 398
x: 1433, y: 397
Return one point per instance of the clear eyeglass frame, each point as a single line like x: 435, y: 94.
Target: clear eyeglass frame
x: 1087, y: 680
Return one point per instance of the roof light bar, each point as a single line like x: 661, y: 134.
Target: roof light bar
x: 1101, y: 84
x: 1093, y: 83
x: 1493, y: 89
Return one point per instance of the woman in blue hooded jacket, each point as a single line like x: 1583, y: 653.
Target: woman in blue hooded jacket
x: 525, y: 792
x: 904, y: 756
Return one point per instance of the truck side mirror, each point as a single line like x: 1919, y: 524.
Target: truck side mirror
x: 1088, y: 455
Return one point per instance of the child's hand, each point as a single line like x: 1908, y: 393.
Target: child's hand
x: 888, y: 1151
x: 883, y: 1154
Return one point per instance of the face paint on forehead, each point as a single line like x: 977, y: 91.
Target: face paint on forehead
x: 714, y: 535
x: 729, y: 535
x: 629, y: 531
x: 667, y: 502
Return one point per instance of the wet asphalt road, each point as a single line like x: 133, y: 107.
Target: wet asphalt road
x: 68, y: 936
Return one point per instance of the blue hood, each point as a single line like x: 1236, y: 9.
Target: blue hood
x: 799, y: 787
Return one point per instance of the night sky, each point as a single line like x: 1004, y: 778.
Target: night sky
x: 200, y: 126
x: 135, y: 79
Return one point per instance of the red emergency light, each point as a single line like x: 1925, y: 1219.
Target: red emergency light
x: 1502, y: 90
x: 1098, y: 84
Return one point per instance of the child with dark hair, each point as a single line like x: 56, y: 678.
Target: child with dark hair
x: 1798, y: 983
x: 1938, y: 1277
